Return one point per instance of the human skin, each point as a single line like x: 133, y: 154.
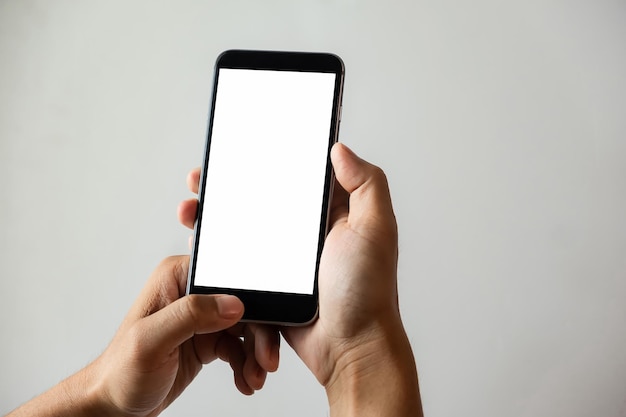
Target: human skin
x: 357, y: 348
x: 160, y: 347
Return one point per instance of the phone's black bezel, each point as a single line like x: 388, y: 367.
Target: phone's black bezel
x: 263, y: 306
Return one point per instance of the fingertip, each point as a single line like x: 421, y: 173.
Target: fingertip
x: 193, y: 179
x: 336, y: 153
x: 229, y: 307
x: 261, y: 376
x: 266, y: 346
x: 187, y: 211
x: 177, y: 322
x: 242, y: 385
x: 254, y: 375
x: 350, y: 170
x: 342, y: 148
x: 269, y: 358
x: 367, y: 185
x: 230, y: 349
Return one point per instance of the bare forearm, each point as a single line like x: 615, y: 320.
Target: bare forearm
x: 75, y: 396
x: 381, y: 382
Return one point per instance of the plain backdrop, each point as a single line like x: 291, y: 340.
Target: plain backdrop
x: 501, y: 126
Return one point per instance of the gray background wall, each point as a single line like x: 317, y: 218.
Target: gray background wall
x: 501, y: 125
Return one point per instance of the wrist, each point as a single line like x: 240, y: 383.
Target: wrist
x: 77, y: 395
x: 87, y: 393
x: 375, y: 375
x: 82, y: 392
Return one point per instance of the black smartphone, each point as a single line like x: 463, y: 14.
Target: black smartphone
x: 266, y: 182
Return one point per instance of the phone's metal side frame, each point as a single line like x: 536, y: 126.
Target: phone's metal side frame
x: 201, y: 186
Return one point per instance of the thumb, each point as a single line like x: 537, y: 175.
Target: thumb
x: 370, y: 202
x: 162, y: 332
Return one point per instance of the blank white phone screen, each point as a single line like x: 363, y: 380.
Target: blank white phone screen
x: 265, y: 180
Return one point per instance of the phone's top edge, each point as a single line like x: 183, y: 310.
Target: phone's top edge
x: 277, y: 52
x: 246, y: 58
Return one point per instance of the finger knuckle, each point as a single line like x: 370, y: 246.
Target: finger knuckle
x: 378, y: 175
x: 170, y: 263
x: 195, y: 306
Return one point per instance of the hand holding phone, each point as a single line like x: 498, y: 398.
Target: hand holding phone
x: 358, y: 348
